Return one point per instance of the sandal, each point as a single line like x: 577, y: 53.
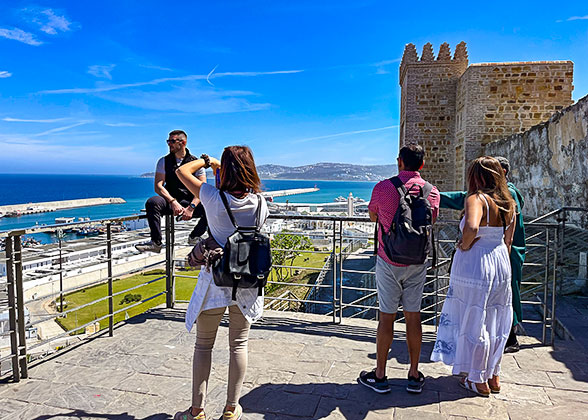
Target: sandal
x: 471, y: 386
x: 494, y: 389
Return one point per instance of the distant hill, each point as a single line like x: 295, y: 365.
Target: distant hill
x: 321, y: 171
x: 328, y: 172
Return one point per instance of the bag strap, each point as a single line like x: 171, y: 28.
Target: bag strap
x: 258, y: 212
x: 399, y: 185
x: 228, y: 209
x: 426, y: 189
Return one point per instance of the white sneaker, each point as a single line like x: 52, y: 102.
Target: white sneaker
x: 149, y: 247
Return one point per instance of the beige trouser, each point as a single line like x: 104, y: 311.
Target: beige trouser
x: 206, y: 328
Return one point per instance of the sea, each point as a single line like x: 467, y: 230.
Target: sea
x: 135, y: 190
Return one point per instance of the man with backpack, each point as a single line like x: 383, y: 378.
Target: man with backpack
x: 405, y: 208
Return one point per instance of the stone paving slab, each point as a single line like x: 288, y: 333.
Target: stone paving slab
x: 301, y: 366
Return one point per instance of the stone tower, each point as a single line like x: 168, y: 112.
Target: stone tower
x: 454, y: 110
x: 428, y: 106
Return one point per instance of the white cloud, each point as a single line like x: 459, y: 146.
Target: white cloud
x: 76, y: 158
x: 572, y: 18
x: 9, y: 119
x: 109, y: 88
x: 346, y: 133
x: 101, y: 71
x: 5, y: 74
x: 48, y: 21
x: 190, y: 97
x: 20, y: 36
x: 120, y: 124
x: 59, y: 129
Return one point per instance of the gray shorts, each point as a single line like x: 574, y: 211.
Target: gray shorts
x: 400, y: 285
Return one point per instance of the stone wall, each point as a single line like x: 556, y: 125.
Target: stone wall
x: 427, y: 110
x: 496, y: 100
x: 549, y: 162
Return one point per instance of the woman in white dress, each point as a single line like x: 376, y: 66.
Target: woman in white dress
x: 240, y: 183
x: 477, y: 314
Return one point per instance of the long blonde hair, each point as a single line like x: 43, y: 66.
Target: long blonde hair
x: 485, y: 175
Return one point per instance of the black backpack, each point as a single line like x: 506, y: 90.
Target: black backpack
x: 247, y: 259
x: 410, y: 237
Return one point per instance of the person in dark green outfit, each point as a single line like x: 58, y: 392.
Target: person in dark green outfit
x: 455, y: 200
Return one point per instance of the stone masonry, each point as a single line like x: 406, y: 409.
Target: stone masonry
x: 549, y: 162
x: 453, y: 109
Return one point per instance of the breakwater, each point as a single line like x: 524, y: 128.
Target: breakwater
x: 47, y: 206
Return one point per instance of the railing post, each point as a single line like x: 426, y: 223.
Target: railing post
x: 22, y: 338
x: 334, y: 270
x: 169, y: 261
x: 545, y: 287
x: 11, y: 289
x: 562, y: 247
x: 553, y: 294
x: 436, y: 268
x: 341, y: 258
x: 110, y: 291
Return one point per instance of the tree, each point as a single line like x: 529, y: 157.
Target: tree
x: 286, y: 247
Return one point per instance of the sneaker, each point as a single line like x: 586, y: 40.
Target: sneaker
x: 415, y: 385
x: 187, y: 415
x: 513, y: 348
x: 233, y: 415
x: 149, y: 247
x: 193, y: 240
x: 369, y: 379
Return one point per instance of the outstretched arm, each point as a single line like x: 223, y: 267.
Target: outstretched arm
x: 453, y: 200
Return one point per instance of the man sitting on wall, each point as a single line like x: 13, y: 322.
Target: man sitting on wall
x: 173, y: 197
x: 455, y: 200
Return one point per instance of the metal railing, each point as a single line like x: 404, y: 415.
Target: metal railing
x: 338, y: 282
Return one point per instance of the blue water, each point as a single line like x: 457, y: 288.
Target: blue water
x: 16, y: 189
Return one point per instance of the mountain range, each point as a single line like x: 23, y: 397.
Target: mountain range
x: 323, y: 171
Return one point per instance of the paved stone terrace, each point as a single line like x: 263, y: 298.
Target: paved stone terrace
x: 300, y: 367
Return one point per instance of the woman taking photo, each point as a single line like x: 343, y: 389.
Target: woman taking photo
x: 240, y: 184
x: 477, y: 314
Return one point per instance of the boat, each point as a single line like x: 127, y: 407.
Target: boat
x: 62, y: 220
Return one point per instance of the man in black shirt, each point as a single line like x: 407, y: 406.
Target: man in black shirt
x: 173, y: 197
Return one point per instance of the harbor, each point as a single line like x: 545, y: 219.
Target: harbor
x: 16, y: 210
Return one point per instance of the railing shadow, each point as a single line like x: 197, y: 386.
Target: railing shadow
x: 348, y: 400
x: 82, y: 414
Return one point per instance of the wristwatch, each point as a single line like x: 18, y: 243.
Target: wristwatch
x: 193, y: 206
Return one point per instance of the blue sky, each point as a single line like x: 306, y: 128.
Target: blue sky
x: 94, y: 87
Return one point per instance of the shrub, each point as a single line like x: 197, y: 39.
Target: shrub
x: 130, y: 298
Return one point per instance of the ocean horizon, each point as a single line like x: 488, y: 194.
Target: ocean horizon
x: 135, y: 190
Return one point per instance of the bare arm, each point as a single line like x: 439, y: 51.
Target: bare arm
x: 188, y: 210
x: 509, y: 234
x: 473, y: 215
x: 185, y: 172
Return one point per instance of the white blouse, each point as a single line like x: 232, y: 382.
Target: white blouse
x: 208, y: 295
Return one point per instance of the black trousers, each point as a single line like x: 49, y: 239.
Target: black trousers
x: 158, y: 206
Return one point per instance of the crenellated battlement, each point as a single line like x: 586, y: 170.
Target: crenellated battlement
x: 427, y: 57
x: 410, y: 55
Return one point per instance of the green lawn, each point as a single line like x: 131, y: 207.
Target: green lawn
x: 184, y: 288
